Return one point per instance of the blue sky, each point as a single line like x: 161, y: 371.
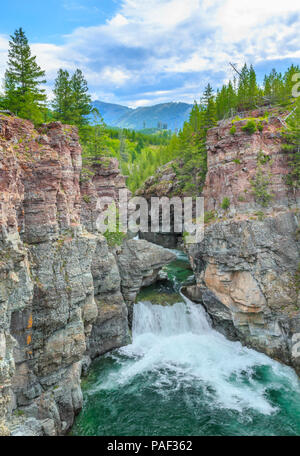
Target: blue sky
x: 138, y: 52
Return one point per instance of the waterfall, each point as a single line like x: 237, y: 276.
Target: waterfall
x: 180, y: 318
x: 176, y: 346
x: 181, y: 377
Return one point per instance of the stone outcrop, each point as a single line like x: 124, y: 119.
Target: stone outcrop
x: 139, y: 264
x: 247, y: 267
x: 99, y: 177
x: 163, y: 184
x: 234, y: 159
x: 61, y: 300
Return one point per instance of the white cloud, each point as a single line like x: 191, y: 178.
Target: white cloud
x: 52, y: 57
x: 140, y: 103
x: 162, y: 50
x: 3, y: 57
x: 115, y: 76
x: 118, y: 21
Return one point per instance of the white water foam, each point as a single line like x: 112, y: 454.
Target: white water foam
x: 178, y: 345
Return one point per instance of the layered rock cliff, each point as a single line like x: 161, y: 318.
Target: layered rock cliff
x: 63, y: 293
x: 247, y: 267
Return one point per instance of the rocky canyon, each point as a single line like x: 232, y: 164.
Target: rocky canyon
x: 247, y: 266
x: 64, y: 292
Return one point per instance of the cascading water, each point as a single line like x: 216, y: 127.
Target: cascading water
x: 180, y: 377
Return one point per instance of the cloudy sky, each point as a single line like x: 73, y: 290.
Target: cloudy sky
x: 142, y: 52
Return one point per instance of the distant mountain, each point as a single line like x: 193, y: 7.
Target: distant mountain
x: 166, y: 115
x: 110, y: 112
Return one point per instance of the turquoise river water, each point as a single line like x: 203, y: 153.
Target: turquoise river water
x: 181, y: 377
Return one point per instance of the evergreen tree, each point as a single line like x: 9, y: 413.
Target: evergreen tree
x: 208, y: 113
x: 243, y: 89
x: 81, y: 100
x: 289, y: 83
x: 123, y: 149
x: 94, y: 137
x: 274, y: 87
x: 195, y: 117
x: 253, y: 92
x: 2, y: 102
x: 63, y: 101
x: 292, y: 145
x: 207, y: 94
x: 139, y: 146
x: 23, y: 77
x: 191, y: 169
x: 72, y: 103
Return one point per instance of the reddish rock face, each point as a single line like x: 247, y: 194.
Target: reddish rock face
x: 100, y: 178
x: 233, y: 161
x: 40, y: 188
x: 39, y: 178
x: 47, y: 294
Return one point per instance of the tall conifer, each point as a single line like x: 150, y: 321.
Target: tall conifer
x: 23, y: 77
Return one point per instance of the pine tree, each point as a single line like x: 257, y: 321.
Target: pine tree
x: 72, y: 103
x: 192, y: 168
x: 194, y: 117
x: 63, y: 101
x: 289, y: 82
x: 243, y: 89
x: 123, y: 150
x: 23, y: 77
x: 207, y: 94
x: 253, y: 91
x: 292, y: 146
x: 94, y: 137
x: 209, y: 112
x: 274, y: 87
x: 81, y: 100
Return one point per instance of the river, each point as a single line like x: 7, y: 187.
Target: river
x: 181, y: 377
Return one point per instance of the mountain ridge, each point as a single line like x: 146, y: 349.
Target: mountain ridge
x: 169, y: 115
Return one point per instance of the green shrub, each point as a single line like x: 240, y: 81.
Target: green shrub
x: 86, y: 198
x: 209, y: 216
x: 113, y: 234
x: 232, y: 130
x: 250, y: 127
x: 86, y: 175
x: 260, y: 215
x: 260, y: 186
x: 114, y: 238
x: 262, y: 158
x: 260, y: 126
x: 237, y: 161
x: 225, y: 203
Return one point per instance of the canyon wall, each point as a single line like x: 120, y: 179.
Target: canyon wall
x: 247, y: 267
x: 64, y: 293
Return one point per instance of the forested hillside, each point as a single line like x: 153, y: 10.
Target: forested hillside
x: 232, y: 100
x: 111, y: 112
